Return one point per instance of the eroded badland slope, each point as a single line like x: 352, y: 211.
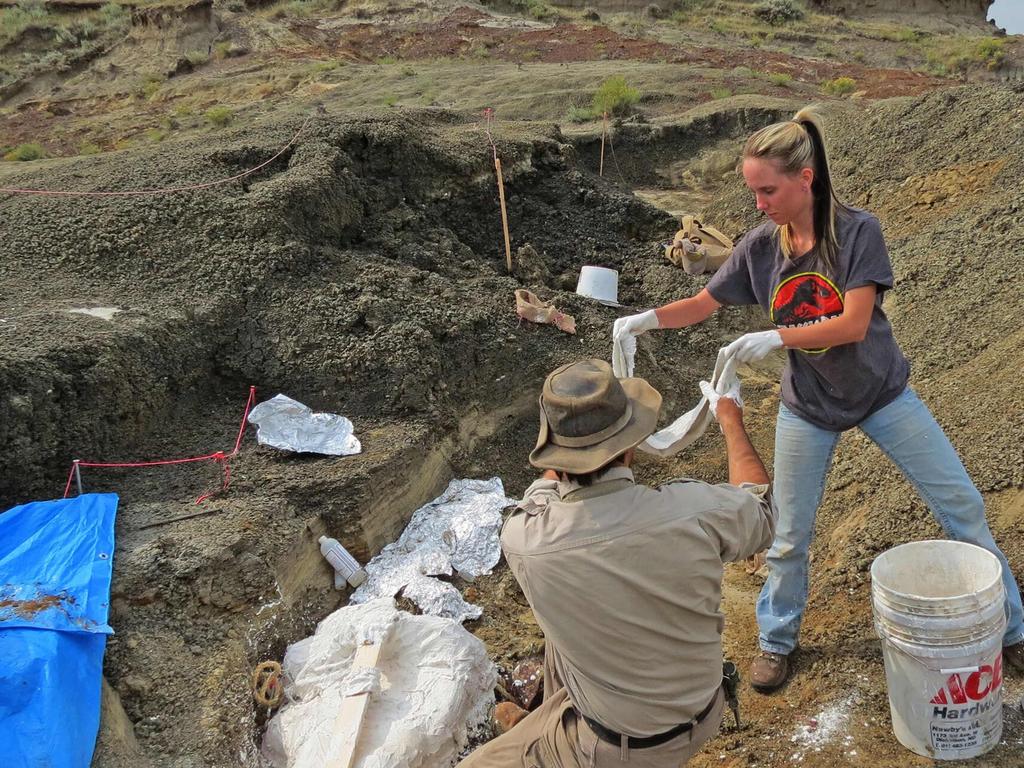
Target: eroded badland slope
x: 362, y: 271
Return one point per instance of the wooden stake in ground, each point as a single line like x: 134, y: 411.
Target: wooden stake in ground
x: 504, y: 214
x: 604, y: 132
x: 353, y: 708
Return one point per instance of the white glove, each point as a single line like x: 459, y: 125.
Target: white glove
x: 751, y: 347
x: 624, y: 333
x: 634, y: 325
x: 623, y: 353
x: 733, y: 393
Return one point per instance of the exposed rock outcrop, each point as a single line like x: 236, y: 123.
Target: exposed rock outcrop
x: 973, y: 9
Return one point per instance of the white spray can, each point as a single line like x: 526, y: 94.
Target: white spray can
x: 346, y: 568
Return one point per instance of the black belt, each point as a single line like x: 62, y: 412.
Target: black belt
x: 643, y: 742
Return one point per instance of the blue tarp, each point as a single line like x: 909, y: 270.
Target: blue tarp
x: 56, y: 560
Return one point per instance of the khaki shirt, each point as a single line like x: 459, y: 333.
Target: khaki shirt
x: 627, y: 587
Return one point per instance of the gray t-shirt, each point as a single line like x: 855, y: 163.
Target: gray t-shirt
x: 837, y: 387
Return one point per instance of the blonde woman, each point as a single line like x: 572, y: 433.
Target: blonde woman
x: 820, y: 269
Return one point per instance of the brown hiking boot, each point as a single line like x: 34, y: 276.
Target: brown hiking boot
x: 769, y: 671
x: 1013, y: 657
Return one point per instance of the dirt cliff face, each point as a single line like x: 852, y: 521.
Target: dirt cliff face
x: 363, y: 273
x: 974, y: 9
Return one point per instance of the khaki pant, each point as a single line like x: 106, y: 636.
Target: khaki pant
x: 553, y: 737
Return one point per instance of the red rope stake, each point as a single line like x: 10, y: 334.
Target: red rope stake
x: 218, y: 456
x: 226, y: 466
x: 245, y: 416
x: 163, y: 191
x: 71, y: 476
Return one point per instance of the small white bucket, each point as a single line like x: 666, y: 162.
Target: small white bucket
x: 939, y: 610
x: 599, y: 283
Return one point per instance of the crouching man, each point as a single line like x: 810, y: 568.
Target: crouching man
x: 625, y: 580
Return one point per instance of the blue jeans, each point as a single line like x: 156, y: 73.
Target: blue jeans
x: 908, y: 434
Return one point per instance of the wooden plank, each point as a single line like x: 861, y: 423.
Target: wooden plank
x: 349, y: 722
x: 504, y: 214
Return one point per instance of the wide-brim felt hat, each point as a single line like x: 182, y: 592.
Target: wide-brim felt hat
x: 588, y: 417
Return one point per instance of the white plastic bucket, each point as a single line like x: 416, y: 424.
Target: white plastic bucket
x: 939, y: 610
x: 599, y: 283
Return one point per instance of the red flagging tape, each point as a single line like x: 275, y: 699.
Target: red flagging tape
x: 218, y: 456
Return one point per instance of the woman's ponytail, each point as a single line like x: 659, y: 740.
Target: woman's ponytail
x: 794, y: 145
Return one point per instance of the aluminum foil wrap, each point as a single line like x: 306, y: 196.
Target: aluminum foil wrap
x: 456, y: 532
x: 289, y: 425
x: 439, y: 598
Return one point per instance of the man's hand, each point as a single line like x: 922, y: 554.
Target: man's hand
x: 751, y: 347
x: 715, y: 399
x: 729, y: 411
x: 754, y: 563
x: 745, y: 465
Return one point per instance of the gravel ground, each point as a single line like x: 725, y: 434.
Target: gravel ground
x: 363, y: 273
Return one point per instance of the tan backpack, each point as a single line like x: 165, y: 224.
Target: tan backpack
x: 698, y: 248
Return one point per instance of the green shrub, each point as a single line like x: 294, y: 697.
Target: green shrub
x: 229, y: 50
x: 777, y: 12
x: 197, y: 58
x: 326, y: 66
x: 635, y: 27
x: 841, y: 86
x: 720, y: 93
x: 26, y: 152
x: 897, y: 34
x: 89, y: 148
x: 780, y: 78
x: 15, y: 20
x: 66, y: 36
x: 536, y: 9
x: 757, y: 39
x: 219, y: 116
x: 826, y: 49
x: 991, y: 52
x: 149, y: 85
x: 961, y: 55
x: 115, y: 15
x: 579, y: 114
x: 387, y: 60
x: 540, y: 10
x: 907, y: 36
x: 683, y: 6
x: 306, y: 8
x: 615, y: 97
x: 55, y: 61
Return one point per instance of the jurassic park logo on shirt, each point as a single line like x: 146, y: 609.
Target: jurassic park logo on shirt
x: 806, y: 299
